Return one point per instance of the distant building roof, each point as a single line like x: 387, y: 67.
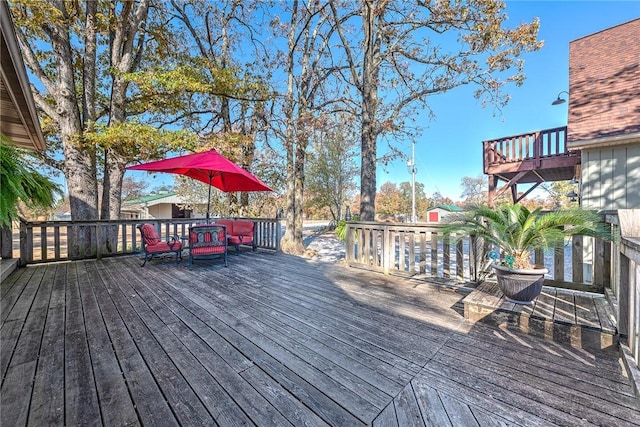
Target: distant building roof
x: 149, y: 198
x: 450, y: 208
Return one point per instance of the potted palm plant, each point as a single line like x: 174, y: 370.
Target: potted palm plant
x: 516, y: 232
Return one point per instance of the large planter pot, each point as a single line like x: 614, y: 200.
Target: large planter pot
x: 518, y: 285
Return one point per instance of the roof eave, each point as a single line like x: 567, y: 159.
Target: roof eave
x: 17, y: 89
x: 606, y: 141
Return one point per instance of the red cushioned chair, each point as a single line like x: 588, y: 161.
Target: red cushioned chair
x: 206, y: 241
x: 153, y: 245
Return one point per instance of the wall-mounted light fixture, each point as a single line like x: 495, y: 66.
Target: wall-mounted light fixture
x: 559, y: 100
x: 573, y: 195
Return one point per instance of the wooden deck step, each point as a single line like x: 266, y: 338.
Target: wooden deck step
x: 7, y: 266
x: 580, y: 319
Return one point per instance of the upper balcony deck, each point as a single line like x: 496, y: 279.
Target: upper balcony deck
x: 531, y: 157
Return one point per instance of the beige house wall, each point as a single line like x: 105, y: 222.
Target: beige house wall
x: 160, y: 211
x: 611, y: 177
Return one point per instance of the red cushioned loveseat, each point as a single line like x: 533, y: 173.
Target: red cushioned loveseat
x: 239, y: 232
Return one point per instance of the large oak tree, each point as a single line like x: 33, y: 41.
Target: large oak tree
x: 400, y: 53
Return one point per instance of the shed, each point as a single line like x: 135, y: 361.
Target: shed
x: 436, y: 214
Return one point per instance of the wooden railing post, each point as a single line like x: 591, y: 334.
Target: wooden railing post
x: 278, y: 235
x: 576, y: 259
x: 624, y: 304
x: 460, y: 260
x: 434, y: 254
x: 23, y: 243
x: 473, y: 258
x: 6, y: 241
x: 99, y: 240
x: 446, y: 255
x: 423, y: 254
x: 387, y: 250
x: 349, y: 243
x: 537, y: 149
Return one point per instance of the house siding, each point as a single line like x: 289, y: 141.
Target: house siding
x: 611, y: 177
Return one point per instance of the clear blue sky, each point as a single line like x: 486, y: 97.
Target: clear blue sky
x: 451, y: 146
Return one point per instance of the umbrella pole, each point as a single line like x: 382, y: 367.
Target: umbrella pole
x: 209, y: 199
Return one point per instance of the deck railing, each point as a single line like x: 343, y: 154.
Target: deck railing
x: 624, y: 292
x: 410, y: 250
x: 587, y: 264
x: 530, y: 146
x: 582, y: 264
x: 46, y: 241
x: 629, y: 294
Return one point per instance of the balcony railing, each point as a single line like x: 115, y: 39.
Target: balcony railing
x: 528, y: 147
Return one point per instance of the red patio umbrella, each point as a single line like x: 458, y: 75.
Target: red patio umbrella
x: 209, y: 167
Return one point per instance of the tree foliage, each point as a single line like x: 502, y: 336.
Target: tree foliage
x: 113, y: 77
x: 225, y: 54
x: 112, y: 74
x: 422, y: 202
x: 389, y: 199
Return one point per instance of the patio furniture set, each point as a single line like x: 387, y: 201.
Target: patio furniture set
x: 204, y: 240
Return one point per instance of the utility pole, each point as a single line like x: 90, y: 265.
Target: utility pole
x: 411, y: 165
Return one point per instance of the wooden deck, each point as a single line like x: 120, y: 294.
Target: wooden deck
x: 278, y: 340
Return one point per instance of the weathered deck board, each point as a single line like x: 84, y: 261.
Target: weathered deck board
x: 47, y: 403
x: 278, y: 340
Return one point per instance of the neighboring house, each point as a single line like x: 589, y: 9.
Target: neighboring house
x: 161, y: 205
x: 604, y: 115
x: 436, y: 214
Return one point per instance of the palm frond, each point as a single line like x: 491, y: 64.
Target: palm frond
x: 517, y: 230
x: 20, y: 182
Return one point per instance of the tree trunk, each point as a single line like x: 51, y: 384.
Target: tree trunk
x: 112, y: 185
x: 370, y: 81
x: 124, y: 54
x: 80, y: 158
x: 80, y: 173
x: 299, y: 191
x: 291, y: 241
